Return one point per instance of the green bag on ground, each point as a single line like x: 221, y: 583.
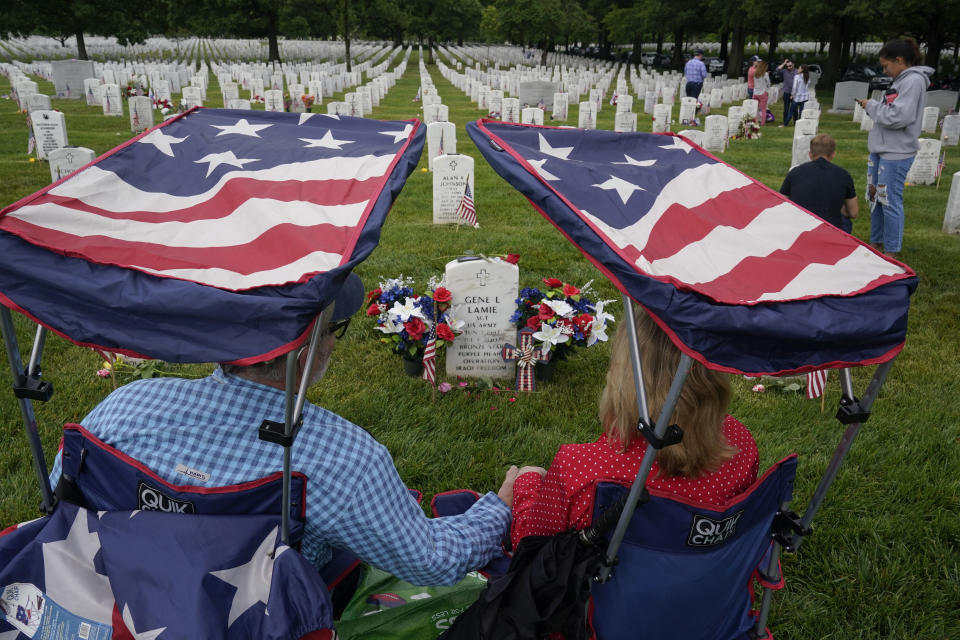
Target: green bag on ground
x: 387, y: 608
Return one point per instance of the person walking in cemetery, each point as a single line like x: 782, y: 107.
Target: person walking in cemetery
x: 893, y: 140
x: 355, y: 498
x: 786, y: 68
x: 800, y: 94
x: 751, y: 74
x: 696, y: 72
x: 716, y: 460
x: 761, y: 82
x: 822, y: 187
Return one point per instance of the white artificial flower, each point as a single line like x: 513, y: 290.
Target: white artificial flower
x: 435, y: 282
x: 551, y: 335
x: 389, y: 326
x: 601, y: 317
x: 561, y: 307
x: 597, y: 334
x: 408, y: 309
x: 453, y: 321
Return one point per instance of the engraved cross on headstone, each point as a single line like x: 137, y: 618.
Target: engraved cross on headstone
x: 482, y: 277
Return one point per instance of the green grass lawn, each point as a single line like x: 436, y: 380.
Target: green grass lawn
x: 883, y: 561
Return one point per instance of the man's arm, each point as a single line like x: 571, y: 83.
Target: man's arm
x: 850, y: 208
x: 383, y: 525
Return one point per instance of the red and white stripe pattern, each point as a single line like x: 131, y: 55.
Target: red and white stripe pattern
x: 221, y: 204
x: 716, y: 231
x: 430, y: 361
x: 466, y: 211
x: 816, y: 383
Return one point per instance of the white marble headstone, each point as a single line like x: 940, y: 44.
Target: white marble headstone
x: 625, y: 122
x: 66, y: 160
x: 49, y: 130
x: 805, y: 126
x: 89, y: 89
x: 688, y: 110
x: 951, y: 130
x: 715, y: 133
x: 931, y: 117
x: 451, y: 174
x: 951, y: 218
x: 193, y: 97
x: 239, y: 103
x: 38, y: 102
x: 141, y: 113
x: 110, y: 100
x: 693, y: 135
x: 845, y: 94
x: 484, y: 295
x: 866, y: 124
x: 511, y: 110
x: 272, y: 100
x: 531, y: 115
x: 801, y: 148
x: 661, y: 118
x: 438, y: 133
x: 560, y: 101
x: 924, y: 167
x: 751, y: 108
x: 587, y: 117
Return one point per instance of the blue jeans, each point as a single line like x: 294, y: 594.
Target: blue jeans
x: 787, y: 106
x: 886, y: 215
x: 796, y: 109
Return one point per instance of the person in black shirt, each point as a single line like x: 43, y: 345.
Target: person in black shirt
x: 822, y: 187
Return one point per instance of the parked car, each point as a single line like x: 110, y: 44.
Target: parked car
x: 647, y: 58
x: 663, y: 60
x: 872, y: 75
x: 715, y: 65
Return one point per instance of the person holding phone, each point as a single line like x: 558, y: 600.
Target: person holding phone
x: 893, y: 140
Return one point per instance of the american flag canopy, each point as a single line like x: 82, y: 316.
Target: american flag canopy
x: 141, y: 574
x: 737, y: 274
x: 229, y: 220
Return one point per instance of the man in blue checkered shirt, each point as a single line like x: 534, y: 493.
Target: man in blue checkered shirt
x: 355, y: 497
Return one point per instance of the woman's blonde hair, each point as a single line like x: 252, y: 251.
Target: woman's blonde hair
x: 700, y: 410
x: 762, y: 67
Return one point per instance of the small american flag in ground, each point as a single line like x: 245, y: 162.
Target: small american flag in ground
x: 816, y: 383
x: 466, y: 211
x: 430, y: 361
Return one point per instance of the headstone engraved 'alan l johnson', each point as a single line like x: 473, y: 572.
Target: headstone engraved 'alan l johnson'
x: 484, y: 295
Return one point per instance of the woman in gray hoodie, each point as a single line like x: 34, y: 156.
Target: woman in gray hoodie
x: 893, y: 140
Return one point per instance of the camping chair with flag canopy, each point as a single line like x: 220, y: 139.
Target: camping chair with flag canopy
x: 740, y: 278
x: 216, y: 236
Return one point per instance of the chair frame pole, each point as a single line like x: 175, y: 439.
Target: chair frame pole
x: 670, y: 403
x: 296, y: 397
x: 26, y: 404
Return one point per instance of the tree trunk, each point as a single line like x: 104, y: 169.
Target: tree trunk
x: 346, y: 34
x: 677, y: 49
x: 659, y: 42
x: 430, y: 50
x: 637, y: 48
x: 832, y: 71
x: 543, y: 54
x: 724, y: 39
x: 934, y: 45
x: 81, y: 46
x: 274, y: 54
x: 774, y: 39
x: 738, y: 40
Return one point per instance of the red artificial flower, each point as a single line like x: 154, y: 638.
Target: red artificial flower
x: 553, y: 283
x: 570, y: 290
x: 546, y: 312
x: 375, y: 293
x: 583, y: 321
x: 513, y: 258
x: 444, y: 332
x: 442, y: 294
x: 373, y: 309
x: 533, y: 322
x: 415, y: 328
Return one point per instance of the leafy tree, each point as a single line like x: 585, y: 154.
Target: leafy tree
x: 532, y: 23
x: 490, y: 27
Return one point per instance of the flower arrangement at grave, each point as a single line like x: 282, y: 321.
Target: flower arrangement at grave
x: 163, y: 105
x: 408, y: 321
x: 562, y: 317
x: 133, y: 89
x: 257, y: 99
x: 307, y: 101
x: 748, y: 129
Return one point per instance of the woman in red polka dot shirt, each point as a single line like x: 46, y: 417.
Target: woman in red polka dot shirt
x: 715, y: 461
